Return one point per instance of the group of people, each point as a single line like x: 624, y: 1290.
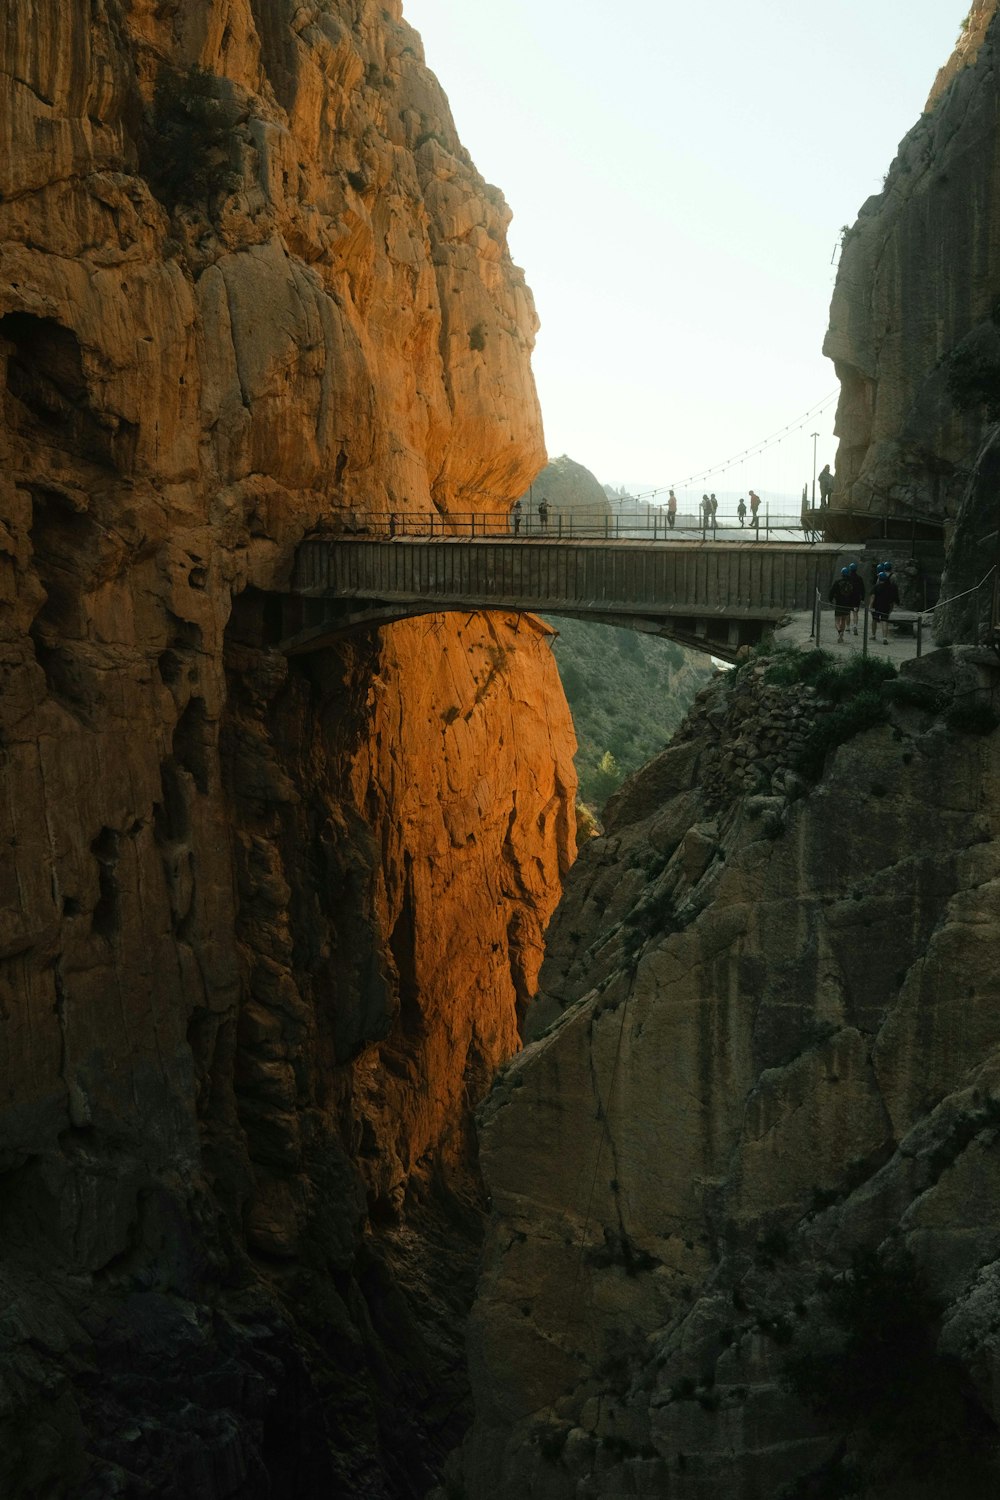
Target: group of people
x: 710, y: 507
x: 709, y: 511
x: 847, y: 595
x: 517, y: 515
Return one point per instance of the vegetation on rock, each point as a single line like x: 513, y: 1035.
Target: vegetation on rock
x: 188, y: 156
x: 627, y: 692
x: 874, y: 1369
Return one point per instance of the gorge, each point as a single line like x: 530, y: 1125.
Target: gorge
x: 273, y: 929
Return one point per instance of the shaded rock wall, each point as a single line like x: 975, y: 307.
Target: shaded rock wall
x: 917, y: 285
x: 773, y: 1043
x: 264, y: 928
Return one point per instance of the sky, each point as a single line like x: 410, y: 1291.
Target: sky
x: 679, y: 174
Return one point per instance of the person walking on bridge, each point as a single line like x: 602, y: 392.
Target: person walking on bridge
x: 515, y: 517
x: 543, y: 514
x: 754, y: 508
x: 671, y: 510
x: 741, y: 511
x: 714, y: 506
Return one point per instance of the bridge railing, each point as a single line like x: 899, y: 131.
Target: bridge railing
x: 653, y: 524
x: 650, y: 523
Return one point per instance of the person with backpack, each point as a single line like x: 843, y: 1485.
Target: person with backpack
x: 671, y: 510
x: 842, y: 598
x: 754, y: 508
x: 884, y: 595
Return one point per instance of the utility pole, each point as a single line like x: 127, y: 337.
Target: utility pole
x: 815, y: 438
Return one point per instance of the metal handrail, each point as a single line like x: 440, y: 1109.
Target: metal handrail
x: 648, y: 523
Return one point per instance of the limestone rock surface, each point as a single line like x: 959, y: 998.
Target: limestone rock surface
x: 913, y: 317
x: 766, y: 1064
x: 265, y: 926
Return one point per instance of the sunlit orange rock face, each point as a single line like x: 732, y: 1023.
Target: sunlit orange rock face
x: 266, y: 925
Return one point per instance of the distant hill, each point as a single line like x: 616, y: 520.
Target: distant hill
x: 627, y: 692
x: 569, y: 488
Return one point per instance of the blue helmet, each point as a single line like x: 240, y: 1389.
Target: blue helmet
x: 852, y: 567
x: 845, y: 572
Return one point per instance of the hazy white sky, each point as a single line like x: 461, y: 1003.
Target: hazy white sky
x: 679, y: 174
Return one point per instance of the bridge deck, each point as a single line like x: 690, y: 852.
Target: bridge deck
x: 691, y: 590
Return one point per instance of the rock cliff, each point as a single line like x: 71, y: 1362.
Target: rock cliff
x: 745, y: 1239
x: 913, y: 322
x: 265, y: 926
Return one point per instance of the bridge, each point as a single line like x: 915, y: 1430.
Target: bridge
x: 710, y: 595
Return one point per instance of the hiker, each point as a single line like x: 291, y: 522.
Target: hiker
x: 671, y: 510
x: 515, y: 516
x: 842, y: 598
x: 543, y: 514
x: 884, y: 595
x: 754, y: 508
x: 714, y: 507
x: 825, y: 485
x: 858, y: 586
x: 741, y: 510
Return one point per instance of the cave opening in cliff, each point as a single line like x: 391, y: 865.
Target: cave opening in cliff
x: 49, y: 403
x: 65, y: 553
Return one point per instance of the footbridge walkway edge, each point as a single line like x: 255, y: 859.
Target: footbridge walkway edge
x: 713, y: 596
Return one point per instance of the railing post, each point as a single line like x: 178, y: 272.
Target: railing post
x: 920, y: 636
x: 864, y: 635
x: 559, y: 525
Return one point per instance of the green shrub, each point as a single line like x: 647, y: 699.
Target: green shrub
x: 607, y: 779
x: 858, y: 675
x: 973, y: 379
x: 911, y: 694
x: 874, y: 1372
x: 188, y: 152
x: 837, y: 727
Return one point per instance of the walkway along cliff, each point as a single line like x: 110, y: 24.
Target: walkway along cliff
x: 265, y: 927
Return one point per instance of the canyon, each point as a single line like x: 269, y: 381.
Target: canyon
x: 293, y: 1014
